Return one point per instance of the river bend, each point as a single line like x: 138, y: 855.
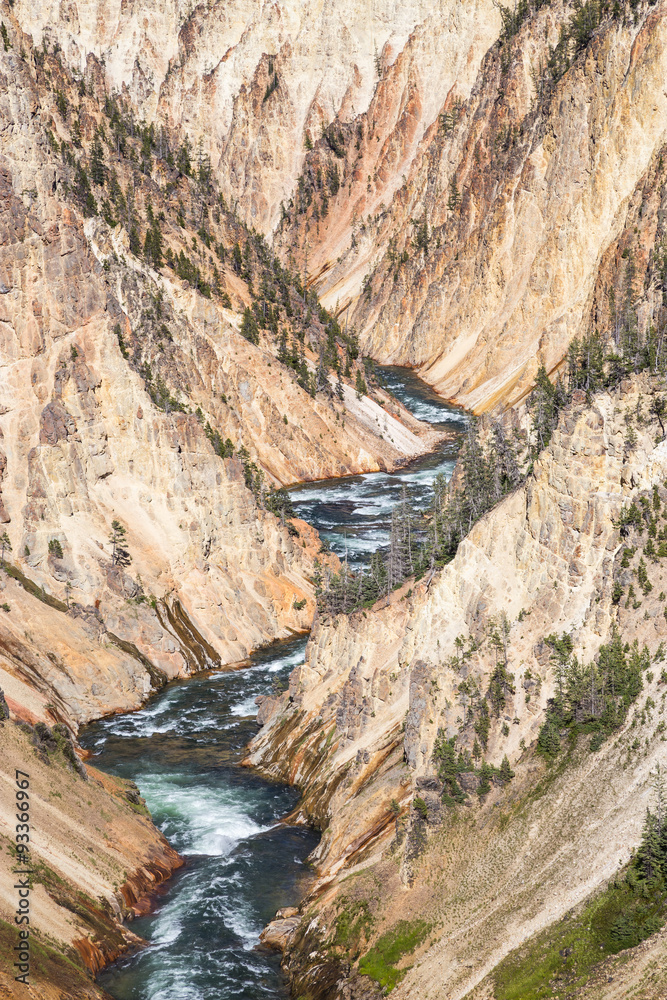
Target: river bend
x: 183, y: 750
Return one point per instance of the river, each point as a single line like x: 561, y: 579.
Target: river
x: 183, y: 749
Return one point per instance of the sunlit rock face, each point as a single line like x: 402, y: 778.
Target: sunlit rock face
x: 206, y: 69
x: 522, y: 186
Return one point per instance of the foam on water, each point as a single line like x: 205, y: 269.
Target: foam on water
x: 354, y: 514
x: 433, y: 413
x: 420, y: 399
x: 286, y: 662
x: 356, y: 519
x: 183, y: 750
x: 245, y: 708
x: 198, y: 818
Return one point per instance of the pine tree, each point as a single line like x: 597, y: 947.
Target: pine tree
x: 544, y: 402
x: 476, y: 478
x: 650, y: 855
x: 148, y: 246
x: 203, y: 166
x: 61, y: 104
x: 119, y: 553
x: 506, y: 462
x: 483, y: 725
x: 506, y: 773
x: 153, y: 245
x: 454, y: 199
x: 586, y: 363
x: 322, y: 384
x: 449, y: 764
x: 548, y: 741
x: 237, y: 259
x: 378, y: 573
x: 183, y: 158
x: 485, y: 773
x: 249, y: 328
x: 5, y: 545
x: 135, y: 242
x: 98, y: 171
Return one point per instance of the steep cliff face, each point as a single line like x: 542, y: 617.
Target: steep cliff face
x: 85, y: 445
x: 363, y: 715
x: 129, y: 398
x: 95, y: 857
x: 469, y: 207
x: 451, y: 206
x: 96, y: 347
x: 510, y: 207
x: 207, y: 70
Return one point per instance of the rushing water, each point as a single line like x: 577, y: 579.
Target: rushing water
x: 183, y: 750
x: 354, y: 514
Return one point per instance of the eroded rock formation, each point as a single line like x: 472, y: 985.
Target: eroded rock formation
x: 469, y: 206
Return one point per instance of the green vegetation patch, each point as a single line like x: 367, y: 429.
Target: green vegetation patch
x: 353, y: 921
x: 591, y: 698
x: 32, y: 587
x: 564, y: 956
x: 380, y: 962
x: 48, y: 964
x: 628, y: 911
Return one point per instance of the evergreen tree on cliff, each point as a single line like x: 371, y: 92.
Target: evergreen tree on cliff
x: 119, y: 553
x: 5, y: 545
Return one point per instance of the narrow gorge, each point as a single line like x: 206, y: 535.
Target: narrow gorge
x: 333, y: 500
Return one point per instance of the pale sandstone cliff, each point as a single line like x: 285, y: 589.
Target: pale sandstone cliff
x: 94, y: 856
x: 205, y: 69
x: 212, y: 575
x: 541, y: 192
x: 483, y: 263
x: 549, y: 194
x: 362, y: 715
x: 544, y: 187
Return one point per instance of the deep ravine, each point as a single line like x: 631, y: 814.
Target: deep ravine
x: 183, y: 750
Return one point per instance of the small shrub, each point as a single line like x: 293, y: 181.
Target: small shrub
x: 420, y: 807
x: 597, y: 739
x: 55, y: 548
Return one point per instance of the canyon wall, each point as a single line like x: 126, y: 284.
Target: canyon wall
x: 94, y: 857
x: 87, y: 439
x: 205, y: 70
x: 484, y: 264
x: 378, y: 688
x: 452, y: 208
x: 468, y: 210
